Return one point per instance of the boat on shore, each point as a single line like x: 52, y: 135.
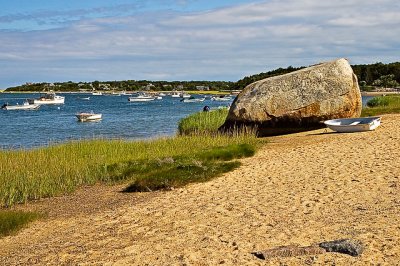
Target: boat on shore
x: 88, y: 117
x: 24, y: 106
x: 348, y: 125
x: 48, y: 98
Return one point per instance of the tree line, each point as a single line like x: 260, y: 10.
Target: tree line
x: 369, y: 76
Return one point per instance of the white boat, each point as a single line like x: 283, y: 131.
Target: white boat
x: 353, y: 124
x: 48, y: 98
x: 185, y: 95
x: 85, y: 98
x: 142, y: 97
x: 193, y: 100
x: 24, y: 106
x: 97, y: 93
x: 124, y: 93
x: 175, y: 94
x: 221, y: 98
x: 86, y: 117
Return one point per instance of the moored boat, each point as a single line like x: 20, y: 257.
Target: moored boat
x: 48, y: 98
x: 221, y: 98
x: 24, y: 106
x: 86, y: 117
x: 193, y: 100
x: 142, y: 97
x: 353, y: 124
x: 97, y: 93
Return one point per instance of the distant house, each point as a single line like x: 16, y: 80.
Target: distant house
x: 179, y: 87
x: 202, y: 88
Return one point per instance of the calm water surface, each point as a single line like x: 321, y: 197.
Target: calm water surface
x: 121, y: 119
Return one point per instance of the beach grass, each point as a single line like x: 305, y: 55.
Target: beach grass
x: 382, y: 105
x: 12, y: 221
x: 203, y: 122
x: 32, y: 174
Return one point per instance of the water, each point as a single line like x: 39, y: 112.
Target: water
x: 121, y: 119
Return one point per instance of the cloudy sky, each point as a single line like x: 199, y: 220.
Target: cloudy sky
x: 58, y: 40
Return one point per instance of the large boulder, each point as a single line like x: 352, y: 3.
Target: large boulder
x: 297, y: 101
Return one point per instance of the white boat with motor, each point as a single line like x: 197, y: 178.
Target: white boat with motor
x: 87, y: 117
x: 193, y: 100
x: 185, y: 95
x: 353, y: 124
x: 48, y: 98
x: 24, y: 106
x: 142, y: 97
x: 221, y: 98
x: 175, y: 94
x: 97, y: 93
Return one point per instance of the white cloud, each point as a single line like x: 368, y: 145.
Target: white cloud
x: 225, y: 43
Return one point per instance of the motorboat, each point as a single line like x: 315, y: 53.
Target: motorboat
x: 185, y: 95
x: 353, y: 124
x: 175, y: 94
x: 142, y: 97
x: 193, y: 100
x: 24, y: 106
x: 87, y: 117
x: 124, y: 93
x: 85, y: 98
x: 97, y: 93
x: 221, y: 98
x: 48, y: 98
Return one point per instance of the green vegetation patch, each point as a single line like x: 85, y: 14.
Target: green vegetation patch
x: 173, y: 172
x: 32, y: 174
x: 12, y: 221
x: 382, y: 105
x: 203, y: 122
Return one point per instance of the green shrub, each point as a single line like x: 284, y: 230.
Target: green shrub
x: 378, y: 101
x: 11, y: 221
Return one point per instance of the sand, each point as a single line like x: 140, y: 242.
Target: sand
x: 300, y: 189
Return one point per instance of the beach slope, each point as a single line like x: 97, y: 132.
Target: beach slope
x: 300, y: 189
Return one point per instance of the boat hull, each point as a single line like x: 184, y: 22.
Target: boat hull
x: 22, y: 107
x: 87, y: 117
x: 141, y: 99
x: 349, y: 125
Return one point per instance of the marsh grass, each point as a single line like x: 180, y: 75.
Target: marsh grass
x: 44, y: 172
x: 172, y: 172
x: 382, y: 105
x: 203, y: 122
x: 12, y: 221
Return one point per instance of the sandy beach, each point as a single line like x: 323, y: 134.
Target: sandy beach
x: 299, y: 189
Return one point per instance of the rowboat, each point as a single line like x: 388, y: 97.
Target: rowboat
x: 221, y: 98
x: 86, y: 117
x: 24, y: 106
x: 353, y: 124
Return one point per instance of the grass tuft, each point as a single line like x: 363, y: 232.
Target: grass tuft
x: 203, y: 122
x: 12, y: 221
x: 382, y: 105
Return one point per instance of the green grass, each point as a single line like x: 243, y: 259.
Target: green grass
x: 382, y: 105
x: 32, y: 174
x: 12, y: 221
x: 203, y: 122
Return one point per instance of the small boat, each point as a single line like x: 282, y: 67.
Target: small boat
x: 24, y: 106
x: 85, y: 98
x: 142, y: 97
x: 193, y: 100
x: 221, y: 98
x: 175, y: 94
x: 87, y: 117
x: 97, y: 93
x: 48, y: 98
x: 124, y: 93
x: 185, y: 95
x: 353, y: 124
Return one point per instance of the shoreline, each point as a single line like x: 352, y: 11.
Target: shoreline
x: 379, y: 93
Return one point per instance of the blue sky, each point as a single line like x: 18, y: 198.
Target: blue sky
x: 47, y: 41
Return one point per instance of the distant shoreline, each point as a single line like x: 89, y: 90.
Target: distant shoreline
x: 379, y: 93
